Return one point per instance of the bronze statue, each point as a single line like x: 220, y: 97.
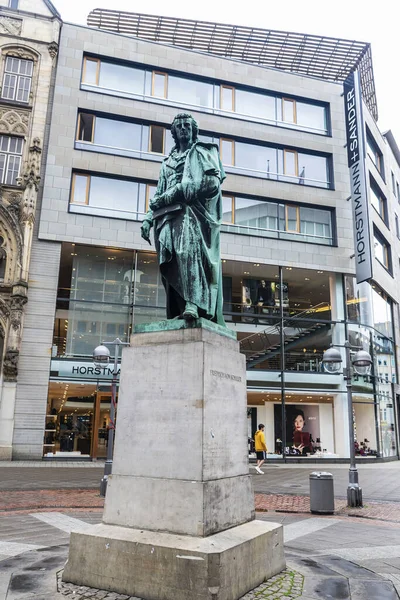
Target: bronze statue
x: 186, y: 213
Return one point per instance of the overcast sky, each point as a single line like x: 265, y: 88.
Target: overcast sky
x: 361, y: 20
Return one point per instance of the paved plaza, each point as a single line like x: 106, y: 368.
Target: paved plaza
x: 328, y: 557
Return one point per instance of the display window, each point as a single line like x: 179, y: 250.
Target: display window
x: 77, y: 420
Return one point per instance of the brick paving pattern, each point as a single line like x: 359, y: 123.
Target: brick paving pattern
x: 383, y: 511
x: 44, y: 499
x: 81, y: 499
x: 288, y: 585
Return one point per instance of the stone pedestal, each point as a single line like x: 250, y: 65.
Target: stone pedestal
x: 179, y: 521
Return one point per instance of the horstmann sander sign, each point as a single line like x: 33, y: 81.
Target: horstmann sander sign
x: 356, y: 163
x: 69, y: 369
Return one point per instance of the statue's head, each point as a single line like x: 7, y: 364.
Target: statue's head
x: 185, y: 122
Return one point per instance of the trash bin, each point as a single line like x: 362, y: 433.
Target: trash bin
x: 321, y: 493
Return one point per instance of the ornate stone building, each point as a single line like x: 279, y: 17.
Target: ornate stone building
x: 29, y: 32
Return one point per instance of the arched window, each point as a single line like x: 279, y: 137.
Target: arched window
x: 3, y: 260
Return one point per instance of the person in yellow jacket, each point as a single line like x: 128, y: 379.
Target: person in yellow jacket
x: 260, y: 447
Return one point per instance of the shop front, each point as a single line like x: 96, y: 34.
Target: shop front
x: 78, y: 410
x: 284, y: 318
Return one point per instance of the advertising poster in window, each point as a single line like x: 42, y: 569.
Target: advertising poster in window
x: 302, y: 427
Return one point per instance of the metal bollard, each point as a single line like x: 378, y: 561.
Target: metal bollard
x: 322, y: 499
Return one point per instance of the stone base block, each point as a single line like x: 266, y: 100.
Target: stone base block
x: 5, y: 453
x: 163, y: 566
x: 198, y: 508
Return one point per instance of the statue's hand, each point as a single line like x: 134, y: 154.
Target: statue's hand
x: 145, y: 231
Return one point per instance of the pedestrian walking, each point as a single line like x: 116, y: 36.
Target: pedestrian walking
x: 261, y: 447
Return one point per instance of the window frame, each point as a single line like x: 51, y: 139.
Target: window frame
x: 7, y: 154
x: 393, y: 184
x: 150, y: 136
x: 79, y: 125
x: 387, y: 250
x: 147, y: 196
x: 383, y: 204
x: 224, y: 139
x: 165, y: 75
x: 91, y: 59
x: 297, y: 208
x: 18, y: 77
x: 87, y: 192
x: 372, y: 145
x: 296, y: 162
x: 233, y: 199
x: 293, y: 101
x: 233, y: 90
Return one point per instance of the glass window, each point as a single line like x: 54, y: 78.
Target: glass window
x: 17, y: 79
x: 290, y: 163
x: 382, y: 250
x: 150, y: 191
x: 255, y: 105
x: 157, y: 135
x: 13, y: 4
x: 292, y: 218
x: 149, y: 291
x: 374, y: 152
x: 159, y: 84
x: 288, y: 110
x: 398, y: 191
x: 227, y: 209
x: 256, y: 213
x: 10, y: 159
x: 313, y: 170
x: 227, y: 98
x: 91, y: 68
x: 120, y: 77
x: 186, y: 91
x: 256, y: 158
x: 311, y: 116
x: 378, y: 200
x: 393, y: 183
x: 115, y: 194
x: 396, y: 220
x: 85, y: 127
x: 316, y: 222
x: 80, y: 188
x: 227, y: 151
x: 117, y: 134
x: 107, y: 196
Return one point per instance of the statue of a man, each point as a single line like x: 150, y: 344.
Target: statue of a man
x: 186, y: 213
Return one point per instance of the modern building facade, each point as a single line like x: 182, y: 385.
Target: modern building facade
x: 29, y: 31
x: 287, y: 234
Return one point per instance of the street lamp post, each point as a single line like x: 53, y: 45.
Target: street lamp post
x: 101, y: 357
x: 361, y: 362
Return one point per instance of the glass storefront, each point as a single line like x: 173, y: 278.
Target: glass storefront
x: 77, y: 419
x: 104, y: 291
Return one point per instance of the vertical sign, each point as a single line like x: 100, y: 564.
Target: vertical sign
x: 356, y: 163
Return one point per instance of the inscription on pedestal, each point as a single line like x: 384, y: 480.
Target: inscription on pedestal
x: 223, y: 375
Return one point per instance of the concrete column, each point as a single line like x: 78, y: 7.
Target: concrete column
x: 269, y: 426
x: 341, y: 421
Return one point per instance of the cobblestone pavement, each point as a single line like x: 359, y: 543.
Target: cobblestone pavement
x: 327, y: 558
x: 287, y: 586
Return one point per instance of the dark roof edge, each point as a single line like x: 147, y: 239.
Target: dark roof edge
x: 393, y: 145
x: 52, y: 9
